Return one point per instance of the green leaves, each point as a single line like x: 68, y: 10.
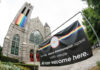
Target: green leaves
x: 0, y: 51
x: 94, y: 19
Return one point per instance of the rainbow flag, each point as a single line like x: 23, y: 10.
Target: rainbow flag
x: 21, y: 20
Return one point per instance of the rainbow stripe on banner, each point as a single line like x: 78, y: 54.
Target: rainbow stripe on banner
x: 21, y: 20
x: 64, y: 37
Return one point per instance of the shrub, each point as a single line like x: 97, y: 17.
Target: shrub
x: 8, y: 59
x: 98, y: 63
x: 8, y: 66
x: 0, y: 51
x: 30, y: 66
x: 12, y: 66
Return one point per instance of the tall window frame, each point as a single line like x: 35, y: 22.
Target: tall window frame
x: 15, y: 44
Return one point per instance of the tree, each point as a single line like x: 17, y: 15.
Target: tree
x: 95, y: 4
x: 0, y: 50
x: 92, y: 13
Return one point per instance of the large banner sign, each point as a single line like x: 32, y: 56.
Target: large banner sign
x: 66, y: 47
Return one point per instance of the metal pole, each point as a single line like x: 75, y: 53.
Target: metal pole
x: 91, y: 27
x: 34, y: 57
x: 34, y: 65
x: 62, y: 24
x: 73, y: 17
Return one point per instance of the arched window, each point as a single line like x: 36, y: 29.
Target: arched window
x: 36, y: 37
x: 15, y: 45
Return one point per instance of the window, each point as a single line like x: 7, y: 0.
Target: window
x: 23, y: 10
x: 15, y: 45
x: 36, y: 37
x: 27, y: 12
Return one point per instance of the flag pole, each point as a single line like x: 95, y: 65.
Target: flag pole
x: 91, y: 28
x: 73, y: 17
x: 34, y: 57
x: 62, y: 24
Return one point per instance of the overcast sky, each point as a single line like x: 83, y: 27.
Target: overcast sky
x: 54, y: 12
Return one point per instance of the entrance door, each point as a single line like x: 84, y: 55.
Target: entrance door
x: 31, y: 55
x: 37, y: 56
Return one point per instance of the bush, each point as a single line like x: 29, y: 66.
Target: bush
x: 98, y: 63
x: 0, y: 51
x: 8, y: 59
x: 8, y: 66
x: 30, y: 66
x: 12, y: 66
x: 24, y: 68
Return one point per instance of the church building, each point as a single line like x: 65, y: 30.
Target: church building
x: 24, y: 36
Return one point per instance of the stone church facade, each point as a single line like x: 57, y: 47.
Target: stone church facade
x: 22, y: 42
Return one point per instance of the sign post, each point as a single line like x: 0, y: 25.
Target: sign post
x: 91, y: 28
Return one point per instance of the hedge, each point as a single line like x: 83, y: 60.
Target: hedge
x: 30, y: 66
x: 0, y: 51
x: 98, y: 63
x: 8, y: 59
x: 11, y: 66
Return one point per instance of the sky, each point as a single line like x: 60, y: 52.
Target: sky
x: 54, y: 12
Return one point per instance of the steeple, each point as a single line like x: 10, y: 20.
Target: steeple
x: 46, y: 25
x: 47, y: 31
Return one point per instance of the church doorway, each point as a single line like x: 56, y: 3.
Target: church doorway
x: 37, y: 56
x: 32, y: 55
